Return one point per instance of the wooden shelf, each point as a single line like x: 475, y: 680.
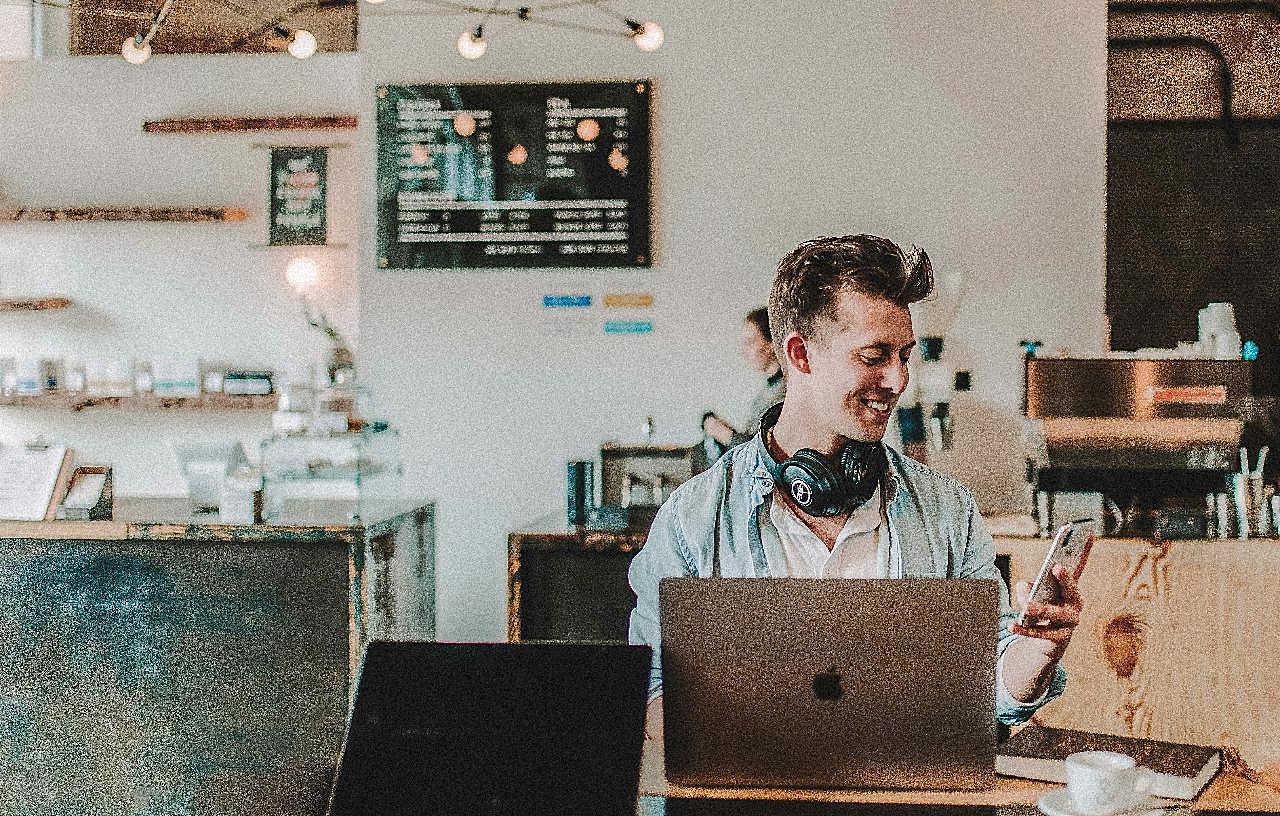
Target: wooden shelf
x: 34, y: 304
x: 241, y: 124
x: 204, y: 402
x: 123, y: 214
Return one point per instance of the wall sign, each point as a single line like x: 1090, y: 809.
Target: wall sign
x: 523, y: 175
x: 298, y: 182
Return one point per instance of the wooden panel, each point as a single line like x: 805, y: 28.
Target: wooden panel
x: 100, y: 26
x: 124, y: 214
x: 34, y: 304
x: 1178, y: 643
x: 223, y: 124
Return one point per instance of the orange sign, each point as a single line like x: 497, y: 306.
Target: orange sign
x: 629, y: 301
x: 1190, y: 395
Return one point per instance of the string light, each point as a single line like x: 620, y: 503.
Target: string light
x: 648, y: 36
x: 302, y: 44
x: 472, y: 45
x: 137, y: 49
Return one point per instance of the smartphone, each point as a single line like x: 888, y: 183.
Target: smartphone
x: 1070, y: 548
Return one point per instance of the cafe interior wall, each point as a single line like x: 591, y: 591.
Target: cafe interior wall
x: 71, y: 135
x: 974, y: 130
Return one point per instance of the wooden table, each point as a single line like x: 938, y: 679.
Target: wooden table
x: 1227, y: 793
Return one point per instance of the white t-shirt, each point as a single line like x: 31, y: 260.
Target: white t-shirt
x: 862, y: 549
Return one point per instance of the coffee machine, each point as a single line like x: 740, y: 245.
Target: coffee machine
x: 1144, y: 441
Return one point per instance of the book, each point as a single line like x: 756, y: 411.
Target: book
x: 1038, y: 752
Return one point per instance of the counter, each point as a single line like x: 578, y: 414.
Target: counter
x: 160, y: 663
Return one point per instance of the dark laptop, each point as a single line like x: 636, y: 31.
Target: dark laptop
x: 836, y: 683
x: 494, y: 729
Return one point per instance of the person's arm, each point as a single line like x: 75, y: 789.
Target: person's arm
x: 664, y: 554
x: 1027, y: 675
x: 719, y: 430
x: 1031, y: 660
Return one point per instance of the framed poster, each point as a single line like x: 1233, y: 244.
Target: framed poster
x: 298, y: 194
x: 513, y: 175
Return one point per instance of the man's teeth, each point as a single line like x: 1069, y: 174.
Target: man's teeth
x: 877, y: 405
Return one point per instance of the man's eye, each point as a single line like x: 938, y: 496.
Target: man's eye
x: 874, y: 359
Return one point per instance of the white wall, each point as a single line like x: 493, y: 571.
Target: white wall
x: 974, y: 130
x: 71, y: 135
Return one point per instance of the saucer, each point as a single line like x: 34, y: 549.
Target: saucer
x: 1057, y: 802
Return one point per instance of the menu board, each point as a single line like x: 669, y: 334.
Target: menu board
x: 513, y: 175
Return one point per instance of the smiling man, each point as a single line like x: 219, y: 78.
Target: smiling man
x: 815, y: 494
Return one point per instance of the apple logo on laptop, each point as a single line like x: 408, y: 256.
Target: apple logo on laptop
x: 826, y: 685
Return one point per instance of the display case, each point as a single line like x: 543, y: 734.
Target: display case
x: 343, y: 477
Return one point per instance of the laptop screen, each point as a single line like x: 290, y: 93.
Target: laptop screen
x: 490, y: 729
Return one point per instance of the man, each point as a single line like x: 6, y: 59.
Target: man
x: 842, y: 328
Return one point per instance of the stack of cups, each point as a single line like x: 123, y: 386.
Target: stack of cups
x: 1219, y: 338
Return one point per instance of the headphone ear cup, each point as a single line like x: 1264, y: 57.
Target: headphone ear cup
x: 862, y: 464
x: 812, y: 484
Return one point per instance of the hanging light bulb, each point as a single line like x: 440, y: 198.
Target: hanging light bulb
x: 302, y: 44
x: 472, y: 44
x: 647, y: 36
x: 302, y: 273
x: 135, y: 52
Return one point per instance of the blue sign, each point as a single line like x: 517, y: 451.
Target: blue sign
x: 566, y: 301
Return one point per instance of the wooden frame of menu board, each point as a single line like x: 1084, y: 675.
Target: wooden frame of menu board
x: 514, y: 175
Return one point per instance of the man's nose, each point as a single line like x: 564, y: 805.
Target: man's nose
x: 895, y: 377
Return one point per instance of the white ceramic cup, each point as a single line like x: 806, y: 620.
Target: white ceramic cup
x: 1103, y: 783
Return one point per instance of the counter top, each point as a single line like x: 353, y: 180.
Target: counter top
x: 170, y: 519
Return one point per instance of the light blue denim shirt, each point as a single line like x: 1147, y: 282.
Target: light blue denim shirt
x: 932, y: 519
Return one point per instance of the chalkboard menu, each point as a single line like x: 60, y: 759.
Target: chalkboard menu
x: 513, y: 175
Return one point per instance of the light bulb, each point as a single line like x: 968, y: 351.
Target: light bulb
x: 472, y: 45
x: 302, y: 273
x: 648, y: 36
x: 302, y: 44
x: 133, y: 53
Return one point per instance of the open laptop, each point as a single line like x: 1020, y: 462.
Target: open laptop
x: 494, y: 729
x: 847, y: 683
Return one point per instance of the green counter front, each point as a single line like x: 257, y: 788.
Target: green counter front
x: 160, y: 665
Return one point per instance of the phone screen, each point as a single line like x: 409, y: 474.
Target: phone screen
x: 1070, y: 548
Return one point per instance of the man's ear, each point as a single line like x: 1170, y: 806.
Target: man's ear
x: 797, y: 350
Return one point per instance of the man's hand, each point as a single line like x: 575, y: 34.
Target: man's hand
x: 718, y: 429
x: 1055, y: 622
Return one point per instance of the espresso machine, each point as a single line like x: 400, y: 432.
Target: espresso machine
x: 1147, y: 443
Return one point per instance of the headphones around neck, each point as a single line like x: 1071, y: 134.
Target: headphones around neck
x: 818, y: 488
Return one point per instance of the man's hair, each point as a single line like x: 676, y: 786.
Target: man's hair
x: 811, y: 277
x: 760, y: 317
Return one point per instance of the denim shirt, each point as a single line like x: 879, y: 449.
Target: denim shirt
x: 932, y: 519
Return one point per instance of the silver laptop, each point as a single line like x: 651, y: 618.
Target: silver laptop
x: 844, y: 683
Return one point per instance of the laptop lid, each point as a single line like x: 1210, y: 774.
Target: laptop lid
x: 491, y: 729
x: 877, y: 683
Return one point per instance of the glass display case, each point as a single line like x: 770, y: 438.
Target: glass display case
x: 338, y: 478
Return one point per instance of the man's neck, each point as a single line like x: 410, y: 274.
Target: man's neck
x: 794, y: 431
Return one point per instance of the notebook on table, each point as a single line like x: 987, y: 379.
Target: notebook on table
x: 491, y: 729
x: 836, y: 683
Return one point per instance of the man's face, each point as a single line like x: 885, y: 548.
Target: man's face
x: 757, y: 351
x: 858, y: 366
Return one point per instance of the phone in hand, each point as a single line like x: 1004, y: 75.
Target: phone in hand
x: 1070, y: 548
